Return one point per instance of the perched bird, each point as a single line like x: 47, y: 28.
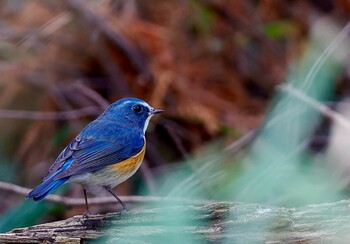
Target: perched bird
x: 105, y: 153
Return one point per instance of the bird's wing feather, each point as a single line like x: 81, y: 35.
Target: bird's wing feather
x: 95, y: 153
x: 62, y: 158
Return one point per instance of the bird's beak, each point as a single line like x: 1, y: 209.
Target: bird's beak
x: 155, y: 111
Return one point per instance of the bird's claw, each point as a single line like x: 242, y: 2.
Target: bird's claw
x: 124, y: 212
x: 86, y: 214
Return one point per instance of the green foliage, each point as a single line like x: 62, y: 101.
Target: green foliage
x: 277, y: 169
x: 202, y: 19
x: 7, y: 170
x: 279, y: 29
x: 25, y: 214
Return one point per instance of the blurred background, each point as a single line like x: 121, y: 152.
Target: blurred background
x: 255, y: 95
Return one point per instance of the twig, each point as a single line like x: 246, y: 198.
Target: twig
x: 242, y: 142
x: 117, y: 83
x: 175, y: 138
x: 326, y: 111
x: 94, y: 22
x: 325, y: 54
x: 87, y: 91
x: 233, y: 148
x: 70, y: 201
x: 62, y: 115
x: 46, y: 29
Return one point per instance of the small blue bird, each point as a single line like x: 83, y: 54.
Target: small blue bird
x: 105, y: 153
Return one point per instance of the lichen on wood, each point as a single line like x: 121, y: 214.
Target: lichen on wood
x: 216, y: 222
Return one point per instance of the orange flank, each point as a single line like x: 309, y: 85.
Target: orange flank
x: 129, y: 165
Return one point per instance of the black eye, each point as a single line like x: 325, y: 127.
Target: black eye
x: 136, y: 108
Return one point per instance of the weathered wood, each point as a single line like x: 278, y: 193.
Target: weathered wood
x: 231, y: 222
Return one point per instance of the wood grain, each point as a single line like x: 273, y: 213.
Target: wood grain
x: 212, y: 223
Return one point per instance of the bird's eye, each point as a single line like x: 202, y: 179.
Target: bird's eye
x: 136, y: 108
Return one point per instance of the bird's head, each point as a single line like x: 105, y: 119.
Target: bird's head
x: 133, y: 111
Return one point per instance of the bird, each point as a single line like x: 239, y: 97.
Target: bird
x: 107, y: 152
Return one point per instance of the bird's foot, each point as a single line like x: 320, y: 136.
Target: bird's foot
x: 124, y: 212
x: 86, y: 214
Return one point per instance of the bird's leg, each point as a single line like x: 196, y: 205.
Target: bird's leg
x: 87, y: 212
x: 109, y: 189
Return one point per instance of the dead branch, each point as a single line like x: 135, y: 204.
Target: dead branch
x: 40, y: 115
x: 69, y: 201
x: 92, y: 21
x: 211, y: 223
x: 323, y: 109
x: 87, y: 91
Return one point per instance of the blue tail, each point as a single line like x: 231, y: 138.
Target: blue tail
x: 47, y: 186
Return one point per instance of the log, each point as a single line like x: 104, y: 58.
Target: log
x: 211, y: 223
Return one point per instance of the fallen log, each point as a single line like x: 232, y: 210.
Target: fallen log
x: 216, y: 222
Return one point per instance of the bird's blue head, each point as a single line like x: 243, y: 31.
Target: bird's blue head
x: 131, y: 111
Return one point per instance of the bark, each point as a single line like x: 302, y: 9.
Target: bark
x: 221, y: 222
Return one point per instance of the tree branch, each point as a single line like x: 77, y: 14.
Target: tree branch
x: 212, y: 223
x: 39, y: 115
x: 87, y: 91
x: 70, y: 201
x: 323, y: 109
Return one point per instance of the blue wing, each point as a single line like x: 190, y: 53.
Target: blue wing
x: 90, y: 153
